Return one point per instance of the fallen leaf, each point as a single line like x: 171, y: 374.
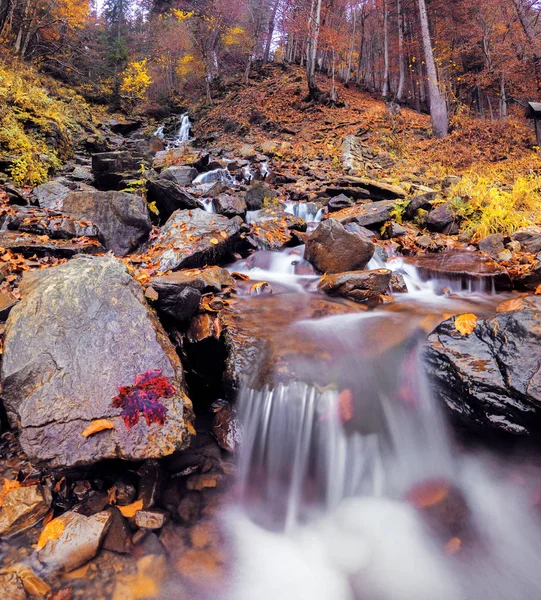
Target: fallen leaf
x: 97, y: 426
x: 510, y: 305
x: 214, y: 241
x: 223, y: 234
x: 428, y: 493
x: 129, y: 510
x: 9, y: 485
x: 52, y: 531
x: 453, y: 546
x: 538, y: 290
x: 465, y: 324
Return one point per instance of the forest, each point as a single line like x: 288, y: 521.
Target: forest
x: 270, y: 299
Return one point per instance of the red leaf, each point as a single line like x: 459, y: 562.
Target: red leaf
x: 143, y: 396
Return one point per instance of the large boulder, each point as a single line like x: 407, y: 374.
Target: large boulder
x: 357, y: 285
x: 192, y: 239
x: 229, y: 206
x: 257, y: 194
x: 122, y: 219
x: 182, y: 176
x: 82, y: 330
x: 50, y: 194
x: 42, y: 245
x: 529, y: 238
x: 113, y: 170
x: 368, y: 214
x: 169, y: 197
x: 332, y: 249
x: 443, y: 219
x: 492, y: 377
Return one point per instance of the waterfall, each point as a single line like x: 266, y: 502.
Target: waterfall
x: 214, y: 176
x: 183, y: 134
x: 307, y: 211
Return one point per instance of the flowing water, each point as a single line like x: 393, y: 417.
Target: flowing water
x: 349, y: 485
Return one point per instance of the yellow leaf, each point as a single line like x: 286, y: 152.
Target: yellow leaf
x: 97, y: 426
x: 130, y: 510
x: 538, y: 290
x: 465, y: 324
x: 510, y: 305
x: 52, y: 531
x: 214, y: 241
x: 9, y: 485
x: 224, y: 235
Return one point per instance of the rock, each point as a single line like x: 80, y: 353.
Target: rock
x: 339, y: 202
x: 30, y: 245
x: 218, y: 188
x: 151, y: 519
x: 257, y: 194
x: 229, y: 206
x: 169, y: 197
x: 367, y: 214
x: 377, y: 190
x: 194, y: 238
x: 529, y: 238
x: 12, y: 587
x: 394, y: 230
x: 443, y: 219
x: 492, y: 245
x: 46, y: 223
x: 113, y: 170
x: 182, y: 176
x: 78, y: 543
x: 357, y: 285
x: 179, y: 293
x: 332, y: 249
x: 491, y: 378
x: 362, y: 231
x: 22, y: 508
x: 274, y: 229
x: 421, y: 202
x: 118, y: 538
x: 122, y: 219
x: 531, y: 279
x: 450, y: 181
x: 124, y: 127
x: 189, y: 507
x: 354, y: 193
x: 7, y: 302
x: 50, y: 194
x: 226, y: 427
x: 82, y: 330
x: 82, y: 174
x: 464, y: 268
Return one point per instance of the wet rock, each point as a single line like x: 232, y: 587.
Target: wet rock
x: 463, y: 267
x: 443, y: 219
x: 179, y: 293
x: 50, y: 194
x: 529, y: 238
x: 7, y: 302
x: 55, y: 383
x: 182, y: 176
x: 226, y: 427
x: 78, y: 543
x: 118, y: 538
x: 257, y: 194
x: 530, y: 280
x: 229, y: 206
x: 332, y: 249
x: 12, y: 587
x: 169, y: 197
x: 22, y: 508
x: 492, y: 245
x: 194, y: 238
x: 357, y: 285
x: 274, y: 229
x: 189, y: 508
x: 492, y: 377
x: 367, y: 214
x: 122, y: 219
x: 339, y: 202
x: 122, y: 493
x: 421, y: 202
x: 151, y: 476
x: 113, y: 170
x: 30, y: 245
x: 151, y: 519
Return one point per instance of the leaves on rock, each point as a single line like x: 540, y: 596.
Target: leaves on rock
x: 9, y: 485
x: 510, y: 305
x: 97, y: 426
x: 143, y: 396
x: 465, y: 324
x: 129, y: 510
x: 52, y: 531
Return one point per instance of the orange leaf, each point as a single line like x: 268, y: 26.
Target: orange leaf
x: 465, y: 324
x: 130, y: 509
x: 453, y: 546
x: 214, y: 241
x: 538, y: 290
x: 428, y: 493
x: 510, y: 305
x: 345, y: 406
x: 9, y: 485
x: 52, y: 531
x: 223, y: 234
x: 97, y: 426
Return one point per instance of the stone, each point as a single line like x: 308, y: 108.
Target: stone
x: 358, y: 286
x: 81, y: 174
x: 46, y: 223
x: 368, y: 214
x: 332, y: 249
x: 30, y: 245
x: 339, y: 202
x: 529, y: 238
x: 179, y: 293
x: 182, y: 176
x: 492, y: 245
x: 377, y: 190
x: 395, y: 230
x: 169, y: 197
x: 50, y: 195
x: 23, y: 507
x: 257, y: 194
x: 81, y: 330
x: 443, y: 219
x: 274, y: 229
x: 113, y: 170
x: 12, y: 587
x: 421, y: 202
x: 122, y: 219
x: 229, y: 206
x: 464, y: 268
x: 151, y: 519
x: 118, y: 537
x: 7, y: 302
x: 354, y: 227
x: 194, y: 238
x: 78, y: 543
x: 491, y: 379
x: 226, y: 427
x: 189, y: 507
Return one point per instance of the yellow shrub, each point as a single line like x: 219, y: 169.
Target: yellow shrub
x: 136, y: 80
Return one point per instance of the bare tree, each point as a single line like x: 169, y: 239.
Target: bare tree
x: 314, y: 24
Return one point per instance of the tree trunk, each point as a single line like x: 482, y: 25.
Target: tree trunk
x: 270, y: 32
x: 401, y: 63
x: 361, y: 49
x: 438, y: 104
x: 350, y: 59
x: 503, y: 99
x: 385, y: 87
x: 311, y: 51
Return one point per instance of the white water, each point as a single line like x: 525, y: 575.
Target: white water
x: 307, y: 211
x: 214, y: 176
x: 183, y: 134
x: 206, y: 204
